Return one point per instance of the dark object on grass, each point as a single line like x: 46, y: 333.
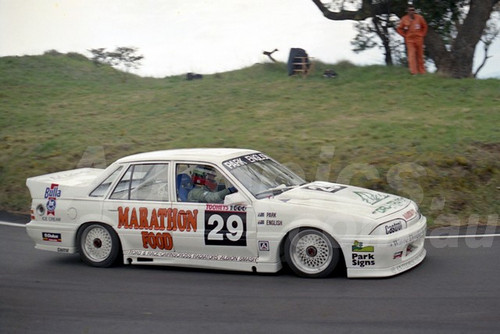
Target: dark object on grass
x: 193, y: 76
x: 298, y: 61
x: 330, y: 74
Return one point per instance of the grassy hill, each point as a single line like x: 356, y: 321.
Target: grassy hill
x: 432, y: 139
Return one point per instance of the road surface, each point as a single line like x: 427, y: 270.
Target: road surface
x: 455, y: 290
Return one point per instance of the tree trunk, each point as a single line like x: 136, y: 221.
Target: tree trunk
x: 469, y: 35
x: 438, y: 53
x: 458, y: 61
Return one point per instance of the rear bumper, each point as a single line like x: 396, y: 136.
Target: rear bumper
x: 55, y: 237
x: 384, y: 256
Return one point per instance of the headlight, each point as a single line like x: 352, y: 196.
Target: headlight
x: 389, y: 227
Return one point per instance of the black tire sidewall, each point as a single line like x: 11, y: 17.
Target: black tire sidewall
x: 325, y: 272
x: 115, y: 246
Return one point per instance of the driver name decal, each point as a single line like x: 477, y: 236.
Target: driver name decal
x: 245, y: 160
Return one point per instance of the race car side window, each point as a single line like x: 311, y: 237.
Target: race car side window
x: 102, y: 189
x: 143, y: 182
x: 200, y: 184
x: 183, y: 182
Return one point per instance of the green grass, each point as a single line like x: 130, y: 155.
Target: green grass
x: 433, y: 139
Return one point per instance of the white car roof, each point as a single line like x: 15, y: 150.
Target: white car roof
x: 214, y: 155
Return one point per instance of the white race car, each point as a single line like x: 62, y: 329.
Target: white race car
x: 232, y: 209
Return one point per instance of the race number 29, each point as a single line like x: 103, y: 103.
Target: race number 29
x: 225, y: 228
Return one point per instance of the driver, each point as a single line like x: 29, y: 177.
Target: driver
x: 205, y: 186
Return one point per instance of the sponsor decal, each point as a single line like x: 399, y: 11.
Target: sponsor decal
x: 409, y: 238
x: 359, y: 247
x: 158, y: 240
x: 396, y: 226
x: 52, y: 237
x: 161, y: 219
x: 363, y: 260
x: 227, y: 208
x: 410, y: 248
x: 264, y: 246
x: 245, y: 160
x: 51, y: 219
x: 371, y: 197
x: 408, y: 215
x: 52, y: 194
x: 397, y: 255
x: 362, y: 256
x: 62, y: 250
x: 225, y: 228
x: 51, y: 206
x: 395, y: 203
x: 189, y: 256
x: 407, y: 265
x: 328, y: 189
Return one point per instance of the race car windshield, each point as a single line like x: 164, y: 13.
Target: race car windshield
x: 263, y: 177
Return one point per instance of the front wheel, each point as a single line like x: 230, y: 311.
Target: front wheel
x: 98, y: 245
x: 311, y: 253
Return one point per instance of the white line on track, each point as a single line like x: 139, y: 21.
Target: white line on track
x: 12, y: 224
x: 461, y: 236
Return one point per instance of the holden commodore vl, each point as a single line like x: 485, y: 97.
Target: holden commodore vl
x: 229, y: 209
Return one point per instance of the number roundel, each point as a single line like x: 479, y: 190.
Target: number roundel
x: 225, y: 228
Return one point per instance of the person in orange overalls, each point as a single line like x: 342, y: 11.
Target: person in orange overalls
x: 413, y: 28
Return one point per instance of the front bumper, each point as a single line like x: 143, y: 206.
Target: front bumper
x: 387, y: 255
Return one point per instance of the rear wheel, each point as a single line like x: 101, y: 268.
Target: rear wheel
x: 311, y: 253
x: 98, y: 245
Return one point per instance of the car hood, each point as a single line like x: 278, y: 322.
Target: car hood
x: 344, y: 198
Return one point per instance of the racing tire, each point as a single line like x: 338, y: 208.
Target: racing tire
x: 311, y: 253
x: 98, y: 245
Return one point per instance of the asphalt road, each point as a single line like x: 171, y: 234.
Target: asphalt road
x: 455, y: 290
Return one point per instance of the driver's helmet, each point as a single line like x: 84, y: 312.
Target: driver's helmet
x: 205, y: 176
